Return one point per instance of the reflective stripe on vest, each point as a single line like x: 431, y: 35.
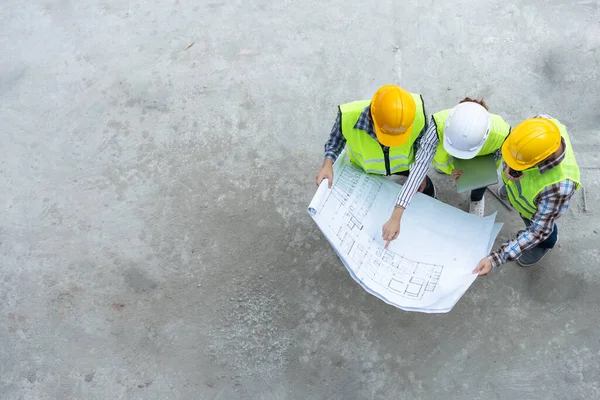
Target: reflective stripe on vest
x: 515, y: 195
x: 522, y: 193
x: 366, y: 152
x: 498, y: 132
x: 369, y: 166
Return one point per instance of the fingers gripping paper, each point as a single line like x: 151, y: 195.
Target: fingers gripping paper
x: 428, y: 268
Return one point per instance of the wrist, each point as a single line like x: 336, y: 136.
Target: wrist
x: 495, y: 260
x: 397, y: 213
x: 328, y: 162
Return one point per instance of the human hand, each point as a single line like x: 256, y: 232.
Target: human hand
x: 457, y: 173
x: 391, y: 229
x: 484, y: 267
x: 326, y: 172
x: 422, y: 186
x: 509, y: 176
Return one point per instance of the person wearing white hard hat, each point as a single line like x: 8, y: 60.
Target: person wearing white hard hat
x: 466, y: 131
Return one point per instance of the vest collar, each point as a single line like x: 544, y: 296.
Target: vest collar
x: 547, y: 165
x: 365, y: 123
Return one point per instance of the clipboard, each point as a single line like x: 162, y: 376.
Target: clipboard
x: 478, y: 172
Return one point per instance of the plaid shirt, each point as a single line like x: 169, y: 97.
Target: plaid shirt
x: 337, y: 141
x: 551, y: 203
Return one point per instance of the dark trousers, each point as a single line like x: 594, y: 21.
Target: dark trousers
x: 477, y: 194
x: 429, y: 190
x: 550, y: 240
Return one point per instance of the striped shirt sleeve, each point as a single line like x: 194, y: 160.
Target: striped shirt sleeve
x: 418, y: 170
x: 552, y: 202
x: 498, y: 155
x: 337, y: 141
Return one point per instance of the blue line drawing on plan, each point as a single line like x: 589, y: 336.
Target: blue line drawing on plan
x: 367, y: 192
x: 353, y: 195
x: 348, y: 227
x: 406, y: 277
x: 345, y: 183
x: 412, y: 279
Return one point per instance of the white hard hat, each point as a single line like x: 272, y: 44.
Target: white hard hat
x: 466, y: 130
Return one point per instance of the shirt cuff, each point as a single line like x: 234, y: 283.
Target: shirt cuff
x: 331, y: 155
x: 495, y: 259
x: 402, y: 203
x: 403, y: 199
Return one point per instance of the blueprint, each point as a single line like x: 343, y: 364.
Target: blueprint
x: 428, y: 268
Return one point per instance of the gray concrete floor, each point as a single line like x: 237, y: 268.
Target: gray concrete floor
x: 154, y: 242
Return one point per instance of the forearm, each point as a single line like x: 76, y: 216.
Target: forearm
x: 418, y: 170
x: 498, y: 156
x: 539, y: 228
x: 333, y: 152
x: 553, y: 201
x: 336, y: 142
x: 512, y: 249
x: 328, y: 162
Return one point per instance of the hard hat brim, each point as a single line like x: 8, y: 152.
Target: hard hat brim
x: 519, y: 165
x: 511, y: 161
x: 392, y: 140
x: 462, y: 154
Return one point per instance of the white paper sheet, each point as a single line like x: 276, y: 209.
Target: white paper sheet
x: 428, y: 268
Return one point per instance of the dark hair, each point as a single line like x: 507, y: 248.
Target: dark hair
x: 480, y: 102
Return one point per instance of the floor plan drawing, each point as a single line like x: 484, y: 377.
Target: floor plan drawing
x: 405, y: 277
x: 408, y: 278
x: 351, y: 215
x: 345, y: 183
x: 349, y: 202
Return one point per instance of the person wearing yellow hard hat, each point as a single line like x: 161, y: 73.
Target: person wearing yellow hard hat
x: 379, y: 135
x: 540, y: 177
x: 466, y: 131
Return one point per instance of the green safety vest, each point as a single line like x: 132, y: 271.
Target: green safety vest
x: 522, y: 193
x: 445, y: 162
x: 368, y: 153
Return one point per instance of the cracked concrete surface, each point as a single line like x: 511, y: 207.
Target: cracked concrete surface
x: 156, y: 163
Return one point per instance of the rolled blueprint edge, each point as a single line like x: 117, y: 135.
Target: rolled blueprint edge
x: 319, y: 198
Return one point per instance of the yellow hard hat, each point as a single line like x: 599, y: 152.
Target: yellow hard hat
x: 393, y: 110
x: 530, y: 142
